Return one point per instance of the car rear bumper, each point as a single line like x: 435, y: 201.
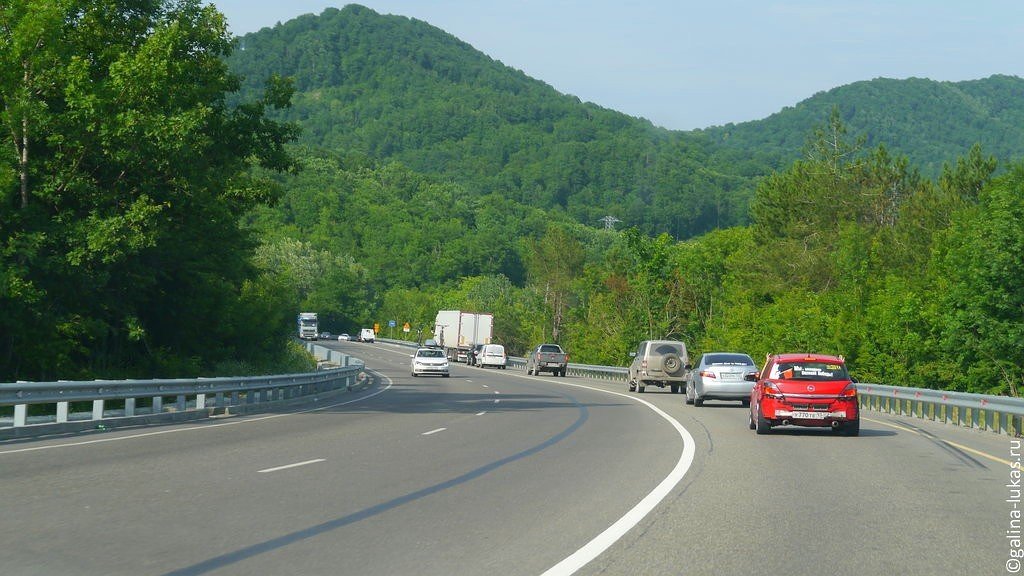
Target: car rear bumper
x: 824, y: 414
x: 724, y: 390
x: 430, y: 370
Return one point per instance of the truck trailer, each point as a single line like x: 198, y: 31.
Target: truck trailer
x: 458, y: 331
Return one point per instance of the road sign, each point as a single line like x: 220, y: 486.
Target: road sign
x: 392, y: 323
x: 406, y: 327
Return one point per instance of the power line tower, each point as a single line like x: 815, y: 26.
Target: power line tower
x: 609, y: 222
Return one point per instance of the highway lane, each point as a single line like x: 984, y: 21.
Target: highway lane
x: 485, y: 472
x: 434, y: 476
x: 906, y: 497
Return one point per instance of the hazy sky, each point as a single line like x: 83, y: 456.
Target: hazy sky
x: 684, y: 64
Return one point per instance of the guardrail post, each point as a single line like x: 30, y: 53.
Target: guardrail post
x: 97, y: 409
x: 20, y: 415
x: 200, y: 401
x: 158, y: 404
x: 129, y: 406
x: 181, y: 403
x: 62, y: 412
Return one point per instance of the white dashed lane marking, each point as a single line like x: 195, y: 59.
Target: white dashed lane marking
x: 287, y: 466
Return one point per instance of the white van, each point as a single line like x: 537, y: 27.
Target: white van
x: 492, y: 355
x: 367, y: 335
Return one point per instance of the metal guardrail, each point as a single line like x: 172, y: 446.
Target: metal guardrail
x: 999, y: 414
x: 120, y: 402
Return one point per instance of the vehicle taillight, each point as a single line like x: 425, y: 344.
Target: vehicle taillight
x: 771, y: 390
x: 706, y: 374
x: 849, y: 392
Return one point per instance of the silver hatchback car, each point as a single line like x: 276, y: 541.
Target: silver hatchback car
x: 721, y: 376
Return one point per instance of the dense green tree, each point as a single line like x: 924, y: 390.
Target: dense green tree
x: 123, y: 179
x: 978, y: 289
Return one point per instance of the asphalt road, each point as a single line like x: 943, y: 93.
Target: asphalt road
x: 495, y: 472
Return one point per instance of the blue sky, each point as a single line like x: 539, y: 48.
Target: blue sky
x: 683, y: 64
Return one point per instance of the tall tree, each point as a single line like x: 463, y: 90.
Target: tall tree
x: 553, y: 262
x: 125, y: 175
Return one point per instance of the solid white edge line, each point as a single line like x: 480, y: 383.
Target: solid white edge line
x: 203, y: 427
x: 613, y: 533
x: 287, y: 466
x: 434, y: 431
x: 481, y: 413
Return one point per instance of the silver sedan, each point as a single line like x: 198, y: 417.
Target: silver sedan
x: 720, y: 376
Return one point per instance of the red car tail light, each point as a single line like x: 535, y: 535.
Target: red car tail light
x: 707, y: 374
x: 771, y: 390
x: 849, y: 392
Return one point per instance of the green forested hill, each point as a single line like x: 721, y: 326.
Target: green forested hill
x: 435, y: 178
x: 929, y: 122
x: 154, y: 225
x: 393, y: 88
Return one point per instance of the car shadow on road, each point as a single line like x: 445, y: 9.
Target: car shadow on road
x: 811, y: 431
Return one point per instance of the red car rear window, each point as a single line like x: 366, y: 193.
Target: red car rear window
x: 819, y: 371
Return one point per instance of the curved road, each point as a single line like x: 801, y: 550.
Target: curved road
x: 495, y: 472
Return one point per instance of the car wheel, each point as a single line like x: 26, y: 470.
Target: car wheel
x: 529, y: 371
x: 750, y: 420
x: 640, y: 388
x: 746, y: 402
x: 563, y: 372
x: 698, y: 402
x: 414, y: 374
x: 631, y: 387
x: 851, y: 428
x: 446, y: 375
x: 687, y: 391
x: 674, y: 388
x: 762, y: 425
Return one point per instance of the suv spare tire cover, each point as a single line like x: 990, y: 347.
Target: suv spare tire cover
x: 672, y: 364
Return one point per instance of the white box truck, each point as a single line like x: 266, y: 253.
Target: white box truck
x: 458, y: 331
x: 308, y: 327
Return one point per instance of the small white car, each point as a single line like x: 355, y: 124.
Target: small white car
x: 492, y: 355
x: 344, y: 337
x: 429, y: 361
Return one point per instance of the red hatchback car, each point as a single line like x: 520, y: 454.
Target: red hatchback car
x: 804, y: 390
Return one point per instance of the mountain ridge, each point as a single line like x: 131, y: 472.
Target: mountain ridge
x: 393, y: 88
